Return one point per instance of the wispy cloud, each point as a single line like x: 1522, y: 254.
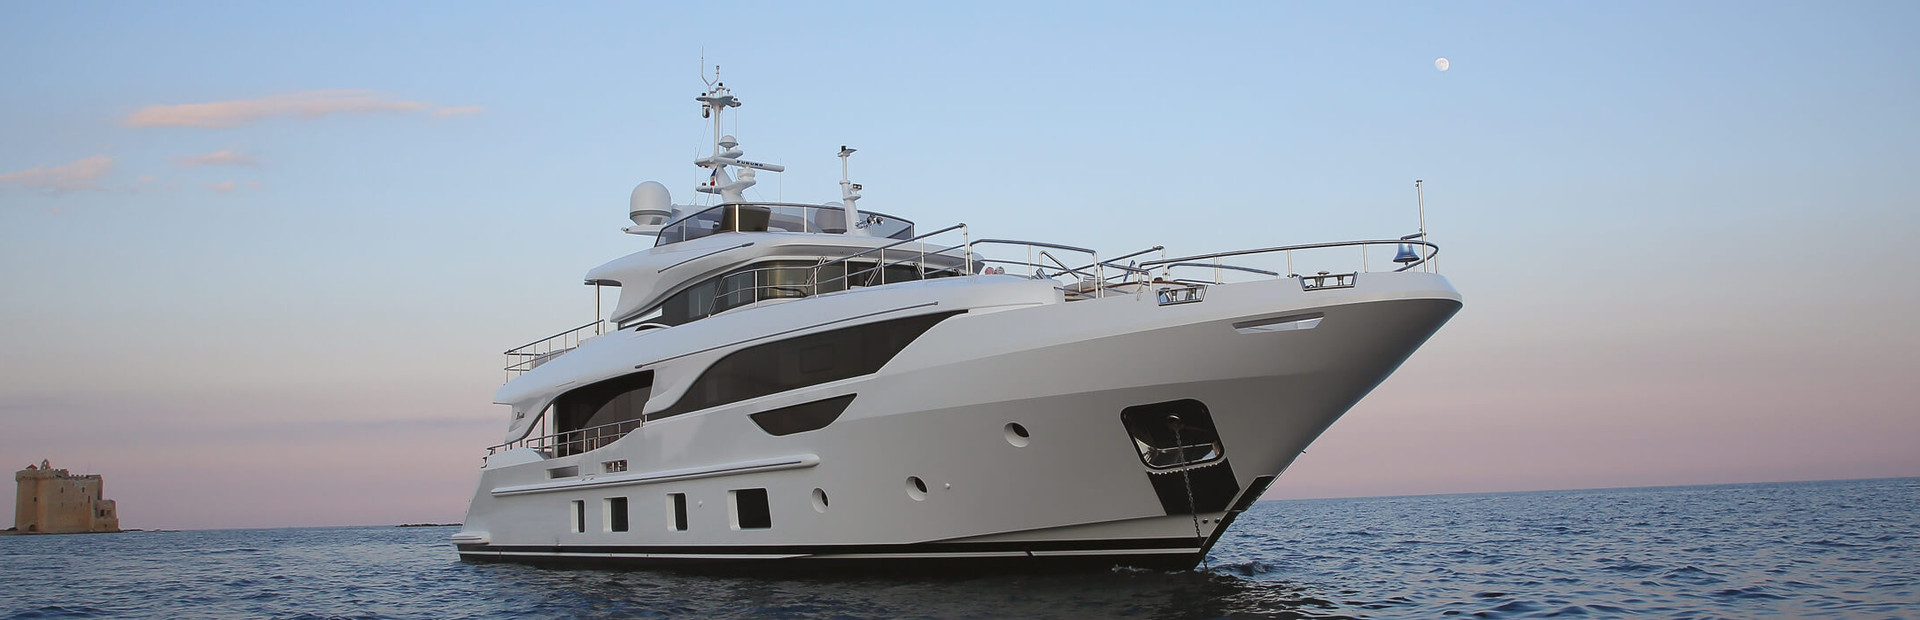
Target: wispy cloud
x: 216, y: 158
x: 460, y: 110
x: 228, y: 187
x: 79, y: 175
x: 306, y: 104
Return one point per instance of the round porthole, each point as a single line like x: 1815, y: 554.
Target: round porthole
x: 916, y: 488
x: 1016, y: 434
x: 820, y: 500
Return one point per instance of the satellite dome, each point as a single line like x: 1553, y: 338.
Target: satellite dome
x: 650, y: 204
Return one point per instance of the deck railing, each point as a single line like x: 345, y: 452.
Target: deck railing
x: 779, y: 217
x: 1280, y: 262
x: 1091, y: 276
x: 530, y: 355
x: 572, y: 442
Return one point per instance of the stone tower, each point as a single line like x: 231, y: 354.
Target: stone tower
x: 52, y: 501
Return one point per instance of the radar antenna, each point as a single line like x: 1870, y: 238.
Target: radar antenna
x: 726, y: 152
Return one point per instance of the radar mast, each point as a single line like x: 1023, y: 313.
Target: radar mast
x: 726, y: 150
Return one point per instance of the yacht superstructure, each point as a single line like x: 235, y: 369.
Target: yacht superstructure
x: 786, y: 384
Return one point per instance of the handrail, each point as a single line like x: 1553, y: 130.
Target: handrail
x: 1220, y: 266
x: 881, y: 264
x: 1309, y: 246
x: 525, y: 357
x: 676, y: 231
x: 890, y: 245
x: 574, y: 441
x: 514, y: 351
x: 530, y: 355
x: 1111, y: 261
x: 1036, y: 243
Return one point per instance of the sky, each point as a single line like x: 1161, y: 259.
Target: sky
x: 258, y: 261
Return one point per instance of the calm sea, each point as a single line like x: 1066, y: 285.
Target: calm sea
x: 1847, y: 549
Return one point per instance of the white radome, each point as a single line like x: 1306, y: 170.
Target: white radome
x: 1441, y: 64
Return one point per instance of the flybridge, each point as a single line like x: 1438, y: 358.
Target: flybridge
x: 845, y: 248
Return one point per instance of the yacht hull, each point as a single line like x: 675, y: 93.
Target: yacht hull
x: 996, y: 438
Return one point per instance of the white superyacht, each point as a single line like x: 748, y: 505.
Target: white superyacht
x: 817, y: 385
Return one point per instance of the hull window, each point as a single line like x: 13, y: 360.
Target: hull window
x: 677, y: 506
x: 750, y: 510
x: 616, y: 514
x: 802, y: 361
x: 579, y: 509
x: 803, y: 417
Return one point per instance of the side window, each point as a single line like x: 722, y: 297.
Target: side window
x: 736, y: 290
x: 600, y: 404
x: 801, y: 361
x: 750, y: 510
x: 775, y: 280
x: 677, y: 506
x: 615, y: 514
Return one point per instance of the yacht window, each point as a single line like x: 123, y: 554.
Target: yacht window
x: 602, y: 406
x: 775, y: 280
x: 746, y: 217
x: 741, y: 287
x: 579, y: 507
x: 750, y: 509
x: 677, y: 504
x: 616, y: 514
x: 802, y: 361
x: 803, y: 417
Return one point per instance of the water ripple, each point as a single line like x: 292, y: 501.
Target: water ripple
x: 1789, y: 550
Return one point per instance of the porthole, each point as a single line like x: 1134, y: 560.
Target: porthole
x: 820, y: 501
x: 916, y: 488
x: 1016, y: 435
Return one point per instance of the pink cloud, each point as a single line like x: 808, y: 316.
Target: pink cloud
x: 305, y: 104
x: 464, y: 110
x: 79, y: 175
x: 217, y: 158
x: 228, y: 187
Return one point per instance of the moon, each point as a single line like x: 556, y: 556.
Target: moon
x: 1441, y: 64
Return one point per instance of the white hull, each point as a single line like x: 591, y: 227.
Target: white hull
x: 1076, y: 492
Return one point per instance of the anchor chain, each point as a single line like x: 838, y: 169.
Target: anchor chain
x: 1186, y: 480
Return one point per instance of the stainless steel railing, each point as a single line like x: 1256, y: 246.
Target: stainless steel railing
x: 572, y: 442
x: 779, y: 217
x: 1421, y: 258
x: 1093, y: 279
x: 530, y: 355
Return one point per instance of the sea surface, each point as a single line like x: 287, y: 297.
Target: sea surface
x: 1833, y: 549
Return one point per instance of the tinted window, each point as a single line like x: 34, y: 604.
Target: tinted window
x: 616, y: 514
x: 607, y: 402
x: 750, y: 509
x: 803, y: 417
x: 778, y: 280
x: 679, y: 505
x: 798, y: 362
